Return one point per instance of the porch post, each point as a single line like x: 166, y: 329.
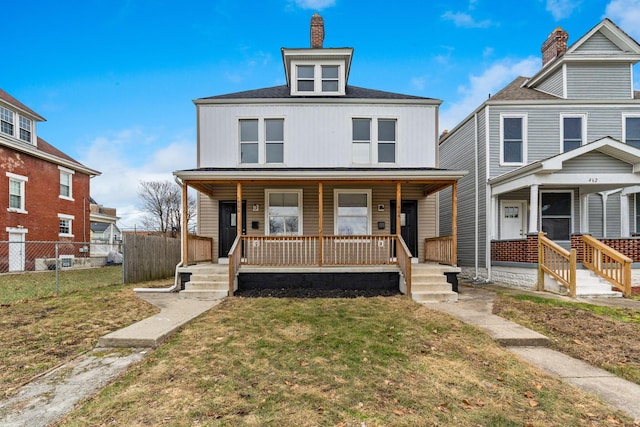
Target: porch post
x: 239, y: 209
x: 625, y: 229
x: 184, y: 227
x: 398, y: 207
x: 320, y: 222
x: 533, y: 211
x: 454, y: 223
x: 584, y: 213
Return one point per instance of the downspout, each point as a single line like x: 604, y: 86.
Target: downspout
x: 477, y: 201
x: 176, y: 283
x: 488, y: 200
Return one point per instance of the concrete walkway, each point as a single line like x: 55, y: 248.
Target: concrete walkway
x: 475, y: 306
x: 51, y: 396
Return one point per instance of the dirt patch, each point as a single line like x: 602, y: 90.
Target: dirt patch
x: 600, y: 340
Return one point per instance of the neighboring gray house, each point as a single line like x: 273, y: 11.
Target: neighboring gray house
x: 556, y: 152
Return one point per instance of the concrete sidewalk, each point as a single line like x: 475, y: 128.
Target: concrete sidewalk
x: 475, y: 306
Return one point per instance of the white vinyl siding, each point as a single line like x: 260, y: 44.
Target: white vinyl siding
x: 599, y: 81
x: 554, y: 84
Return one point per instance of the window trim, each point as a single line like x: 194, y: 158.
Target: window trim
x: 317, y: 77
x: 524, y: 118
x: 262, y: 140
x: 625, y: 116
x: 22, y: 180
x: 70, y: 173
x: 378, y: 142
x: 571, y: 214
x: 267, y: 193
x: 337, y: 192
x: 65, y: 217
x: 583, y: 117
x: 267, y: 142
x: 374, y: 140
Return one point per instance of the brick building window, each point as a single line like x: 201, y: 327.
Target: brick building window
x: 66, y: 183
x: 66, y: 225
x: 17, y: 192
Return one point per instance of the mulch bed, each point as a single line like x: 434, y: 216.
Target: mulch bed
x: 314, y: 293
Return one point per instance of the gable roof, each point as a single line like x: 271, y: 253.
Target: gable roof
x: 516, y: 91
x: 628, y: 50
x: 4, y: 96
x: 284, y: 92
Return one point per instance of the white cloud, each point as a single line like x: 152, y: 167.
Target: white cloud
x: 561, y: 9
x: 464, y: 20
x: 479, y: 87
x: 626, y: 14
x: 314, y: 4
x: 117, y: 157
x: 418, y: 82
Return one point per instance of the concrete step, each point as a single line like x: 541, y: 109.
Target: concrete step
x: 203, y: 294
x: 435, y: 296
x: 199, y: 277
x: 216, y: 286
x: 430, y: 287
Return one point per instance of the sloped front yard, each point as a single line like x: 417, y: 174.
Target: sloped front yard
x: 336, y: 362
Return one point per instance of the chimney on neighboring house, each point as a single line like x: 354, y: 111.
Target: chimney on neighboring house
x: 317, y: 31
x: 554, y: 46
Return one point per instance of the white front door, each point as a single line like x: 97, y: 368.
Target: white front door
x: 513, y: 219
x: 16, y: 251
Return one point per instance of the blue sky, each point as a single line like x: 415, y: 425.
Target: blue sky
x: 115, y: 79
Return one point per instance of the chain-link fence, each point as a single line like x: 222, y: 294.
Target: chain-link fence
x: 31, y: 269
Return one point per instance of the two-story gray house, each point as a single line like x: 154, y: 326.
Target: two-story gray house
x: 558, y: 152
x: 317, y: 181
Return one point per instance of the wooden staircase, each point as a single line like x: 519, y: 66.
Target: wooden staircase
x: 429, y: 283
x: 207, y: 281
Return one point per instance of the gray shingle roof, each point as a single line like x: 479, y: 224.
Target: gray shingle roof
x: 515, y: 92
x: 284, y: 91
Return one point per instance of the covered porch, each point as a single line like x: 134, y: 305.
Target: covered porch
x: 320, y: 219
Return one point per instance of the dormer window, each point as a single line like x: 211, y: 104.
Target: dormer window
x: 8, y: 125
x: 318, y: 79
x: 25, y: 129
x: 6, y: 121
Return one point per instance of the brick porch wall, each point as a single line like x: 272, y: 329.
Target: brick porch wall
x: 627, y: 246
x: 520, y: 250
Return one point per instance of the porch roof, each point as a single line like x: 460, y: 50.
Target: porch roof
x: 434, y: 179
x: 550, y: 172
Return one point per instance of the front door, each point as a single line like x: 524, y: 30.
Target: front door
x: 16, y: 251
x: 228, y: 227
x: 512, y: 219
x: 409, y: 223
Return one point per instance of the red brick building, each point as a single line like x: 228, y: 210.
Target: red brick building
x: 46, y: 192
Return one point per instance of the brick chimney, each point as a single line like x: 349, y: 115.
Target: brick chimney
x: 554, y: 46
x: 317, y: 31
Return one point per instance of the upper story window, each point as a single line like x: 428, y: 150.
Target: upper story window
x: 8, y: 125
x: 513, y: 136
x: 365, y: 143
x: 284, y: 211
x: 66, y: 183
x: 25, y: 129
x: 318, y: 79
x: 262, y: 140
x: 632, y: 130
x: 17, y: 193
x: 572, y: 131
x: 6, y: 121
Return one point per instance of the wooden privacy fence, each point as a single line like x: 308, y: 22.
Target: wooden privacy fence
x: 607, y: 263
x: 557, y: 262
x: 149, y: 257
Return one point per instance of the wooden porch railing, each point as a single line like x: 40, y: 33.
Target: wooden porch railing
x: 404, y: 262
x: 199, y: 248
x: 557, y: 262
x: 439, y: 249
x: 235, y: 260
x: 358, y: 250
x: 607, y: 263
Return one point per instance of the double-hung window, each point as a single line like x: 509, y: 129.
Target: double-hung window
x: 274, y: 140
x: 66, y: 225
x: 632, y: 130
x: 386, y: 141
x: 352, y: 212
x: 6, y: 121
x: 17, y: 192
x: 572, y: 131
x: 555, y: 214
x: 361, y: 140
x: 284, y: 212
x: 249, y: 141
x: 330, y: 78
x: 513, y: 136
x: 66, y: 183
x: 317, y: 79
x: 25, y: 129
x: 306, y: 78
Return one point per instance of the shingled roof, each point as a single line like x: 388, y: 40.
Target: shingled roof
x: 283, y: 92
x: 514, y: 91
x: 11, y: 100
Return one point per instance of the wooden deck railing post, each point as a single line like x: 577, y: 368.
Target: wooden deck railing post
x: 454, y: 223
x: 184, y: 227
x: 320, y: 222
x: 540, y: 262
x: 573, y: 257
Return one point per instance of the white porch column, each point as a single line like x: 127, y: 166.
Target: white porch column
x: 584, y: 213
x: 625, y: 229
x: 495, y: 218
x: 533, y: 211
